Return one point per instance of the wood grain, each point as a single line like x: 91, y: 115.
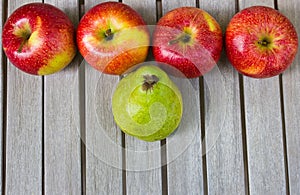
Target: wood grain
x: 223, y: 132
x: 264, y: 130
x: 247, y: 3
x: 184, y: 152
x: 147, y: 9
x: 291, y: 95
x: 24, y: 129
x: 143, y: 173
x: 61, y: 122
x: 69, y: 96
x: 103, y: 138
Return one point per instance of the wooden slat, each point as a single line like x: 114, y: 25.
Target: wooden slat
x: 24, y: 129
x: 61, y: 122
x: 103, y: 168
x: 184, y: 152
x: 291, y: 94
x: 248, y: 3
x: 147, y: 9
x: 143, y: 173
x: 264, y: 130
x: 103, y: 138
x: 223, y: 132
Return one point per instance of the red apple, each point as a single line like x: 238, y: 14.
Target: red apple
x: 261, y: 42
x: 188, y: 39
x: 39, y: 39
x: 112, y: 37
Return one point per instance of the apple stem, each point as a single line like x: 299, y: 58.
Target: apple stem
x: 21, y: 46
x: 185, y: 38
x: 108, y: 34
x: 24, y: 41
x: 149, y: 82
x: 264, y: 42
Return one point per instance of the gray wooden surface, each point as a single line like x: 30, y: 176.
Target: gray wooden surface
x: 62, y: 155
x: 24, y: 129
x: 185, y: 175
x: 291, y: 94
x: 225, y: 155
x: 103, y: 139
x: 143, y: 160
x: 265, y: 150
x: 238, y: 135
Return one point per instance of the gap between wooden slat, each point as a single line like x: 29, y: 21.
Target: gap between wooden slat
x: 4, y: 101
x: 4, y: 120
x: 123, y: 158
x: 158, y: 9
x: 43, y: 134
x: 202, y: 119
x: 123, y: 142
x: 164, y: 167
x: 286, y: 168
x: 237, y: 6
x: 244, y: 134
x: 82, y: 111
x: 276, y: 4
x: 197, y: 3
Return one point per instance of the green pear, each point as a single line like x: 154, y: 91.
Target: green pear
x: 147, y: 104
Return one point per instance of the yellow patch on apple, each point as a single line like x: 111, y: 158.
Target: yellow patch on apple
x: 55, y: 64
x: 135, y: 37
x: 210, y: 21
x: 253, y: 69
x: 34, y: 41
x: 34, y: 35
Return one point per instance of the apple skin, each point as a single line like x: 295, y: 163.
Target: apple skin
x: 112, y: 37
x: 260, y: 42
x: 188, y: 39
x: 39, y: 39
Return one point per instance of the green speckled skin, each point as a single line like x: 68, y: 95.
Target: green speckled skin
x: 149, y: 115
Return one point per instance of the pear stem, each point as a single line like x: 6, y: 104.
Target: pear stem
x: 149, y: 82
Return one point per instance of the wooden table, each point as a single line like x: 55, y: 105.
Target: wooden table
x: 238, y: 136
